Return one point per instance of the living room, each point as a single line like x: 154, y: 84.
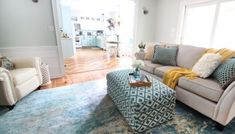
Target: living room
x: 179, y: 77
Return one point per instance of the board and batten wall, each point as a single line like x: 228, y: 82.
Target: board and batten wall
x: 27, y: 29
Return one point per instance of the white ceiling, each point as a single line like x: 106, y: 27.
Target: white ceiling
x: 93, y: 6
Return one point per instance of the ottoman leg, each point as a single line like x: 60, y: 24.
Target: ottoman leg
x: 11, y: 107
x: 220, y: 127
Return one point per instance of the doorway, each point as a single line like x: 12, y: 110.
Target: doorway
x: 99, y: 30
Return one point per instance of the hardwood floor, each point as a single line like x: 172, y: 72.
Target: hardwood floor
x: 89, y: 64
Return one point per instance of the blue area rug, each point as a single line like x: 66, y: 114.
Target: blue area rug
x: 85, y: 108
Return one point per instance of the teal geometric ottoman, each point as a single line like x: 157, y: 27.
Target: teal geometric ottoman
x: 143, y: 107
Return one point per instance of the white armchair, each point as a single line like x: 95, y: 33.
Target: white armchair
x: 17, y: 83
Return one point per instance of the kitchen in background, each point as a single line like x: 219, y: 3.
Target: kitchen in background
x: 96, y: 24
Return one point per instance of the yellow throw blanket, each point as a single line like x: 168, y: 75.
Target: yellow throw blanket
x: 224, y: 52
x: 171, y: 77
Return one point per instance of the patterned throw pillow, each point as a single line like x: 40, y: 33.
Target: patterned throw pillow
x: 225, y: 73
x: 6, y: 63
x: 207, y: 64
x: 165, y: 56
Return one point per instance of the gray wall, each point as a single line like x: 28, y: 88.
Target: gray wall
x: 146, y: 24
x: 167, y: 14
x: 160, y: 24
x: 24, y: 23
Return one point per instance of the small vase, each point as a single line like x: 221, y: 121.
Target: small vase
x: 137, y: 73
x: 141, y: 49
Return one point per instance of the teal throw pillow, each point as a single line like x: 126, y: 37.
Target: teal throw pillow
x: 6, y: 63
x: 165, y: 56
x: 225, y: 73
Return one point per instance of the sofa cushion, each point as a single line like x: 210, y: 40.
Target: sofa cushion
x: 149, y: 66
x: 206, y: 88
x: 23, y: 74
x: 160, y: 71
x: 165, y: 56
x: 189, y: 55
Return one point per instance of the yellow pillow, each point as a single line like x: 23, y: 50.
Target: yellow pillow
x: 149, y: 50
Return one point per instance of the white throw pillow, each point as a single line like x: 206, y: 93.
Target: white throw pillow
x: 207, y: 64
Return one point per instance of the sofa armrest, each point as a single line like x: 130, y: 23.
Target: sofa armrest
x: 225, y: 109
x: 140, y: 55
x: 7, y: 92
x: 34, y: 62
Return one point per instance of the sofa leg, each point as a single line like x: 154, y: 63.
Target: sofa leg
x: 220, y: 127
x: 39, y: 88
x: 11, y: 107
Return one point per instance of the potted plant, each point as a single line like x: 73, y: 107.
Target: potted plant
x: 141, y: 47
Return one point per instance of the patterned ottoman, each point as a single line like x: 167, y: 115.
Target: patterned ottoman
x: 143, y: 108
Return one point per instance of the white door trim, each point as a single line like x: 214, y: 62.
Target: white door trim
x: 135, y: 26
x: 57, y: 31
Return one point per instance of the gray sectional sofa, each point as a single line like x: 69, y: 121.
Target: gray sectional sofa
x: 204, y: 95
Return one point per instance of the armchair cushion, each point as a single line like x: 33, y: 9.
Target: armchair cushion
x: 23, y: 74
x: 29, y: 63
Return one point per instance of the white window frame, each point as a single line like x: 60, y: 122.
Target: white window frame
x: 182, y: 16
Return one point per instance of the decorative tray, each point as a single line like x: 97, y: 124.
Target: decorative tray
x: 143, y: 81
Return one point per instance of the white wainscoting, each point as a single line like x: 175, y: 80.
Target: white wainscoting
x: 49, y: 55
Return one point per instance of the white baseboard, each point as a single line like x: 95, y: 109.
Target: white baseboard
x: 49, y: 55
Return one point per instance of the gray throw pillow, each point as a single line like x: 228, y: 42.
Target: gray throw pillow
x: 165, y: 56
x: 6, y: 63
x: 225, y: 73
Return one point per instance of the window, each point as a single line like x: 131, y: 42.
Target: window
x: 198, y: 25
x: 210, y: 25
x: 225, y: 29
